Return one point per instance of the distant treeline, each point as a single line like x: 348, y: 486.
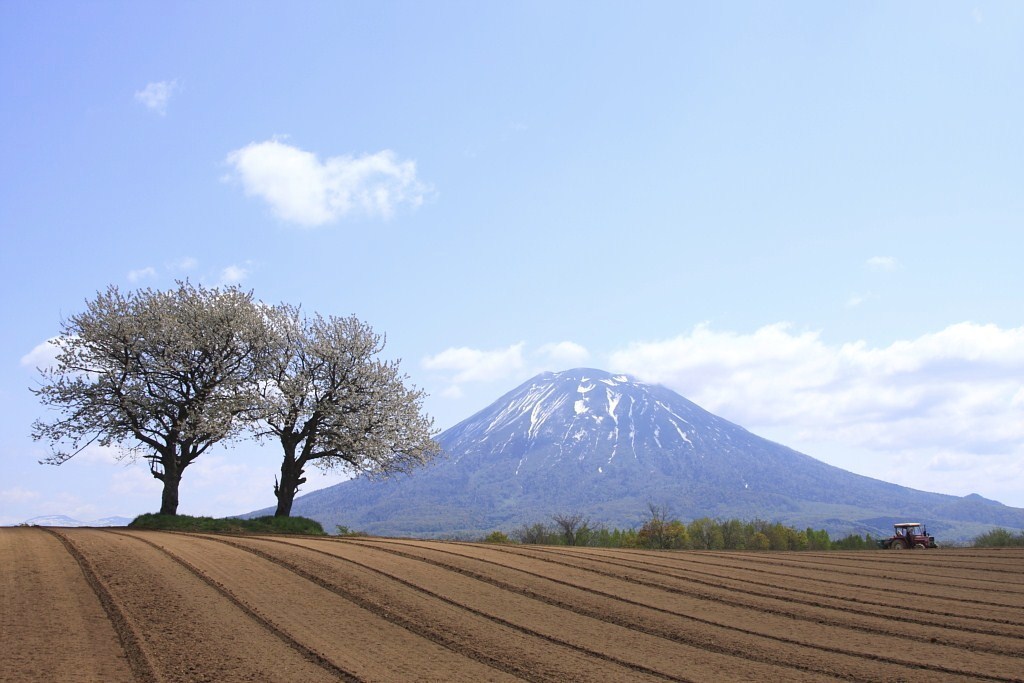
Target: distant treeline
x: 999, y: 538
x: 662, y: 533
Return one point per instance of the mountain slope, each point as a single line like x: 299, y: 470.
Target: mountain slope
x: 606, y: 445
x: 65, y: 521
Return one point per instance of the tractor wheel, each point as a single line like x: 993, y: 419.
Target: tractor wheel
x: 896, y: 545
x: 919, y: 546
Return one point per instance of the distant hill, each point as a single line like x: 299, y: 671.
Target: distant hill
x: 606, y: 445
x: 64, y: 520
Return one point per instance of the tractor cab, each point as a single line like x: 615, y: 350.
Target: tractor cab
x: 908, y: 535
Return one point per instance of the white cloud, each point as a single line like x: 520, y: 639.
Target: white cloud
x: 943, y: 407
x: 184, y: 263
x: 882, y: 263
x: 155, y: 96
x: 775, y: 374
x: 474, y: 365
x: 302, y: 189
x: 43, y: 355
x: 458, y: 367
x: 95, y: 454
x: 16, y: 495
x: 463, y: 364
x: 564, y: 355
x: 453, y: 392
x: 1018, y: 399
x: 141, y: 274
x: 229, y: 275
x: 233, y: 275
x: 136, y: 482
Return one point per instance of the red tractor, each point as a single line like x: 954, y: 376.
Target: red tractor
x: 908, y: 535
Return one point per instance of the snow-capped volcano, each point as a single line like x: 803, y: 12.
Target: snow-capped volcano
x: 601, y: 435
x: 591, y: 416
x: 606, y: 445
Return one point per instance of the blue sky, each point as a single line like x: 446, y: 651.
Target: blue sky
x: 806, y: 217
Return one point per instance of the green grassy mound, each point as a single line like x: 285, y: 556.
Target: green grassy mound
x: 232, y: 525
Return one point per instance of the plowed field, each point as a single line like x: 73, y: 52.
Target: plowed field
x: 118, y: 605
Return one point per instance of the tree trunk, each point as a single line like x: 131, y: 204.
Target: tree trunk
x: 167, y: 469
x: 169, y: 499
x: 288, y: 486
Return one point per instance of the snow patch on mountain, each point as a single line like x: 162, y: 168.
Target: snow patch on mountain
x: 613, y: 403
x: 541, y: 412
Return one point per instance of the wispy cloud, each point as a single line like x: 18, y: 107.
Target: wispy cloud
x: 185, y: 263
x: 458, y: 367
x: 134, y: 482
x: 882, y: 263
x: 302, y: 189
x: 233, y: 275
x: 563, y: 355
x: 463, y: 364
x: 17, y: 495
x: 141, y: 274
x: 855, y: 300
x: 187, y: 266
x: 94, y: 454
x: 156, y: 96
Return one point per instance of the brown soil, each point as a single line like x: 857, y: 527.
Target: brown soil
x: 53, y: 627
x: 118, y: 605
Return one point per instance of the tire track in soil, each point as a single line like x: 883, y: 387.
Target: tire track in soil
x: 188, y: 631
x: 788, y: 594
x: 910, y: 563
x: 964, y: 605
x: 992, y: 626
x: 741, y: 575
x: 529, y: 608
x: 142, y: 668
x: 872, y: 625
x: 826, y: 649
x: 883, y: 566
x: 775, y: 591
x: 880, y: 573
x: 813, y: 572
x: 1012, y: 646
x: 375, y: 646
x: 454, y: 640
x: 966, y: 602
x: 695, y: 637
x: 1001, y: 561
x: 307, y: 653
x: 1011, y: 669
x: 46, y: 597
